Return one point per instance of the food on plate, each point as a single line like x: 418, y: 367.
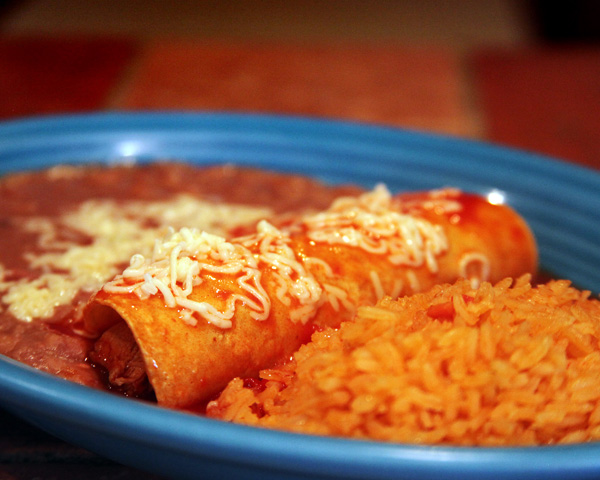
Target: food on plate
x: 502, y: 364
x: 202, y: 309
x: 167, y: 281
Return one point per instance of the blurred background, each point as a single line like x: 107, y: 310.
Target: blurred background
x: 522, y: 73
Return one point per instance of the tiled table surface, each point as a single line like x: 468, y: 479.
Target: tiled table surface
x: 541, y: 99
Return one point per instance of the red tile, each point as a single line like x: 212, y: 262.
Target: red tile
x: 543, y: 100
x: 414, y: 87
x: 56, y: 75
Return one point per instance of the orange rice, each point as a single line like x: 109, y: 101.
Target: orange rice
x: 506, y: 364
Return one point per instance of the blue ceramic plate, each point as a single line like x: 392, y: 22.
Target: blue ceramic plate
x: 561, y: 202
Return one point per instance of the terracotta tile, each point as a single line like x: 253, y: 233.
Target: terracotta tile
x: 543, y: 100
x: 55, y: 75
x: 413, y: 87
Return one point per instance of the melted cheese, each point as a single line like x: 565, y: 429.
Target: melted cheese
x: 338, y: 297
x: 38, y: 298
x: 474, y: 266
x: 377, y: 286
x: 370, y: 222
x: 183, y: 258
x: 116, y: 232
x: 378, y: 289
x: 442, y: 201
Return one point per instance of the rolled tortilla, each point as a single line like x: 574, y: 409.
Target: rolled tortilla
x: 205, y: 309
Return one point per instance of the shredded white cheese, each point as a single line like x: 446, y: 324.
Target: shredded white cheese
x: 116, y: 232
x: 31, y: 299
x: 369, y: 222
x: 413, y: 281
x: 474, y: 266
x: 380, y: 292
x: 377, y: 286
x: 181, y: 260
x: 442, y: 201
x: 338, y: 297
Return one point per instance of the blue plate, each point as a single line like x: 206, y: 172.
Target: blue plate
x: 561, y: 202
